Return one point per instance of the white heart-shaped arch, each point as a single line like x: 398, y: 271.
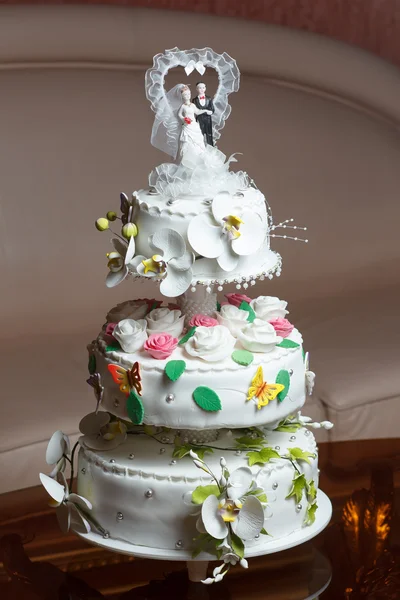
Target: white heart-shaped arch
x: 165, y: 128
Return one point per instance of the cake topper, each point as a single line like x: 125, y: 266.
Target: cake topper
x: 166, y: 127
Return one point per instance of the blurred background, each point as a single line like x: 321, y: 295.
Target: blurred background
x: 317, y: 122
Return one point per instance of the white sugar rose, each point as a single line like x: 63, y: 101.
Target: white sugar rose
x: 259, y: 336
x: 131, y: 309
x: 233, y: 318
x: 164, y: 320
x: 131, y: 334
x: 269, y: 307
x: 211, y: 343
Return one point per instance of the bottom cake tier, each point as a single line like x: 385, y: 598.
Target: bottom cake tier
x: 243, y: 485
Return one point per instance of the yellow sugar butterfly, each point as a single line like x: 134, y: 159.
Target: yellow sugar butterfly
x: 263, y: 391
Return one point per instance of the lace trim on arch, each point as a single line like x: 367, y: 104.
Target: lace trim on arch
x: 228, y: 76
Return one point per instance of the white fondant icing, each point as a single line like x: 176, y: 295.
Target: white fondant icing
x: 154, y: 496
x: 228, y: 379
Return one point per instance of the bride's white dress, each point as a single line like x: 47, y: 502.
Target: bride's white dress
x: 191, y: 140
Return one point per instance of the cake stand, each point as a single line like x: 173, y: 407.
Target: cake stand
x: 323, y: 516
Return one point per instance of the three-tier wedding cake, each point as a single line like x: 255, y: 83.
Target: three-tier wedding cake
x: 196, y: 448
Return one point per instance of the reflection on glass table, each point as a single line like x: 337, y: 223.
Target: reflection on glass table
x: 356, y: 557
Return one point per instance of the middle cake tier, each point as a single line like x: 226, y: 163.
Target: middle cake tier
x: 205, y: 395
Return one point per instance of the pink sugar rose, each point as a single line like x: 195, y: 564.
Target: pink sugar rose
x: 282, y: 326
x: 200, y: 320
x: 237, y: 299
x: 160, y: 345
x: 110, y: 328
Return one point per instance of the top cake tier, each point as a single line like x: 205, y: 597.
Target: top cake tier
x: 208, y: 227
x: 199, y: 222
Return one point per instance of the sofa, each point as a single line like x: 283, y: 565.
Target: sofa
x: 320, y: 142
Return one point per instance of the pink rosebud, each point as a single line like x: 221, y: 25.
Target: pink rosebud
x: 160, y: 345
x: 237, y: 299
x: 110, y: 328
x: 200, y: 320
x: 282, y: 326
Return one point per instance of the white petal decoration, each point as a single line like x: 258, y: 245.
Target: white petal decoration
x: 55, y: 448
x: 80, y: 501
x: 239, y: 482
x: 183, y: 263
x: 250, y: 520
x: 64, y: 517
x: 135, y: 262
x: 176, y: 282
x: 213, y: 523
x: 222, y: 206
x: 116, y: 277
x: 120, y: 246
x: 205, y: 237
x: 169, y: 242
x: 252, y: 234
x: 78, y: 521
x: 93, y: 422
x: 130, y: 252
x: 227, y: 260
x: 53, y: 488
x: 60, y: 466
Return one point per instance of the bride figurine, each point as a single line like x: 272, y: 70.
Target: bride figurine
x: 191, y: 140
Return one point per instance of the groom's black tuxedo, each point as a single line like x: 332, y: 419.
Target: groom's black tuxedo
x: 204, y: 120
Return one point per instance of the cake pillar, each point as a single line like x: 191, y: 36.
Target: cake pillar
x: 198, y: 302
x: 197, y: 570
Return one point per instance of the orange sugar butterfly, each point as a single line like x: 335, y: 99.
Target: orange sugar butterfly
x: 127, y: 379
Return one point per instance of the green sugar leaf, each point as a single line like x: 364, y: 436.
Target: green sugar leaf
x: 218, y: 307
x: 283, y: 378
x: 247, y: 441
x: 262, y: 457
x: 242, y: 357
x: 251, y: 314
x: 203, y: 491
x: 310, y: 514
x: 174, y: 369
x: 288, y: 426
x: 311, y: 491
x: 299, y: 484
x: 114, y: 348
x: 299, y: 454
x: 286, y: 343
x: 187, y: 336
x: 264, y: 531
x: 207, y: 399
x: 237, y: 545
x: 92, y: 364
x: 134, y: 408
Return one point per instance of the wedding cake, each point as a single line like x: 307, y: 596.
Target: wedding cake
x: 196, y: 448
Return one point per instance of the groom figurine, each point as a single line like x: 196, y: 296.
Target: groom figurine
x: 204, y: 102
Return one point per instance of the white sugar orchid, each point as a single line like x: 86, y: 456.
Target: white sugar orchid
x: 57, y: 449
x: 99, y: 433
x: 246, y: 518
x: 119, y: 261
x: 230, y: 231
x: 70, y: 508
x: 171, y: 262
